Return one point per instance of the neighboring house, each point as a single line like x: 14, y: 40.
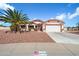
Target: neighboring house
x: 71, y: 29
x: 52, y: 25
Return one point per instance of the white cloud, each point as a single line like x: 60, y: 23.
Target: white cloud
x: 72, y: 16
x: 51, y: 18
x: 5, y: 6
x: 75, y: 14
x: 35, y: 18
x: 77, y: 10
x: 68, y: 15
x: 61, y: 16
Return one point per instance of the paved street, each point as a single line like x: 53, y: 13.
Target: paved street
x: 63, y: 37
x: 27, y: 49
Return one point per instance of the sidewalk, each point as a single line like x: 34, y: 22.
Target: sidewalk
x: 27, y: 49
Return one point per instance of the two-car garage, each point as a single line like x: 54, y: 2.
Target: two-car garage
x: 52, y: 28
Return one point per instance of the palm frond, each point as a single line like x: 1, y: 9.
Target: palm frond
x: 13, y: 15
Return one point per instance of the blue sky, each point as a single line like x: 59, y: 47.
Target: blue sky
x: 45, y: 11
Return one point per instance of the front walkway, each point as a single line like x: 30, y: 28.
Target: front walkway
x: 49, y: 49
x: 64, y: 37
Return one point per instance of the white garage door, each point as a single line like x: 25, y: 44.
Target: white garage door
x: 52, y: 28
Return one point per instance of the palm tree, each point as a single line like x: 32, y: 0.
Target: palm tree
x: 14, y: 17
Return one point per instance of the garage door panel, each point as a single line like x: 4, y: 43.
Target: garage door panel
x: 52, y: 28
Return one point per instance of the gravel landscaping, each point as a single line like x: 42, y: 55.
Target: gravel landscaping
x: 24, y: 37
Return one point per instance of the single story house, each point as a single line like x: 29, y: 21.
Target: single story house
x: 52, y: 25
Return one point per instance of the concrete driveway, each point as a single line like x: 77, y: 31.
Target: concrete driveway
x: 64, y: 37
